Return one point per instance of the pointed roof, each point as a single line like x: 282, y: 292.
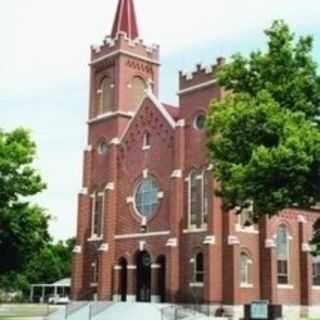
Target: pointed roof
x: 125, y: 20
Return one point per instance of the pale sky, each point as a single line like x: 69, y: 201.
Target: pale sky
x: 44, y: 55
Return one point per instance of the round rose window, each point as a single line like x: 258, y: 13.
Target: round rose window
x: 146, y: 197
x: 200, y: 121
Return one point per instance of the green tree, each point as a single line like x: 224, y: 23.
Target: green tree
x: 23, y: 226
x: 52, y: 263
x: 264, y: 138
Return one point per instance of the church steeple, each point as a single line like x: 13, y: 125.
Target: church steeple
x: 125, y: 20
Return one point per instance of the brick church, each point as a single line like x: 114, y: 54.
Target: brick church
x: 150, y: 228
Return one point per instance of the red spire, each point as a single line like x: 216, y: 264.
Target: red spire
x: 126, y: 20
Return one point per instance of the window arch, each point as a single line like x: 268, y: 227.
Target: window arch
x: 106, y: 98
x: 282, y: 241
x: 245, y: 263
x: 138, y: 85
x: 199, y: 268
x: 316, y: 271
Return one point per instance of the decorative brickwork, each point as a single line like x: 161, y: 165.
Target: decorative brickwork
x: 175, y: 147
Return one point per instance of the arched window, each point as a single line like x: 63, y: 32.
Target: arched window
x: 199, y: 268
x: 316, y: 271
x: 207, y: 194
x: 146, y: 141
x: 244, y: 268
x: 282, y: 241
x: 138, y: 86
x: 106, y: 98
x: 195, y: 198
x: 97, y: 214
x: 199, y: 198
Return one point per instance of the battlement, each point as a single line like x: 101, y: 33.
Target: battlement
x: 200, y: 75
x: 121, y: 42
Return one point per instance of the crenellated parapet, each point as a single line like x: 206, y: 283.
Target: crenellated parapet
x: 201, y: 75
x: 121, y: 43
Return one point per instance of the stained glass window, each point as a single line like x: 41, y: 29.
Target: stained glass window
x: 282, y: 254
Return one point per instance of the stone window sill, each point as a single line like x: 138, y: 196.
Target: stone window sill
x: 95, y: 238
x: 246, y: 285
x: 251, y: 229
x: 316, y: 288
x: 196, y: 285
x: 285, y: 286
x: 195, y: 230
x: 93, y: 284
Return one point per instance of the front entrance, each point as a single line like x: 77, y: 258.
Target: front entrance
x: 144, y: 277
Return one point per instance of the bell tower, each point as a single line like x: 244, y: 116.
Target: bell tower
x: 121, y: 68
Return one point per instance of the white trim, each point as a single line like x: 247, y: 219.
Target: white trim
x: 210, y: 240
x: 155, y: 298
x: 84, y: 191
x: 160, y: 107
x: 197, y: 87
x: 181, y: 123
x: 233, y: 240
x: 131, y: 298
x: 194, y: 230
x: 116, y: 298
x: 77, y: 250
x: 145, y: 148
x: 93, y: 284
x: 155, y: 266
x: 246, y: 285
x: 117, y: 268
x: 142, y: 235
x: 306, y: 247
x: 130, y: 200
x: 127, y: 53
x: 145, y: 173
x: 270, y: 243
x: 94, y: 238
x: 196, y: 285
x: 108, y: 115
x: 142, y: 245
x: 172, y: 242
x: 301, y: 219
x: 131, y: 267
x: 285, y: 286
x: 315, y: 287
x: 88, y: 148
x: 110, y: 186
x: 104, y: 247
x: 176, y: 173
x: 115, y: 141
x: 250, y: 229
x: 160, y: 195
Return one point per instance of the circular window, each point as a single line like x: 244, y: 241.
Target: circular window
x: 200, y: 121
x: 146, y: 197
x: 102, y: 147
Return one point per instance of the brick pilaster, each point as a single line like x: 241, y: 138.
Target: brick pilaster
x: 176, y: 214
x: 107, y: 250
x: 131, y: 283
x: 231, y: 259
x: 305, y: 263
x: 268, y: 262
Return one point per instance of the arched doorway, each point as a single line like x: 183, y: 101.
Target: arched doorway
x: 161, y: 261
x: 123, y: 279
x: 143, y: 276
